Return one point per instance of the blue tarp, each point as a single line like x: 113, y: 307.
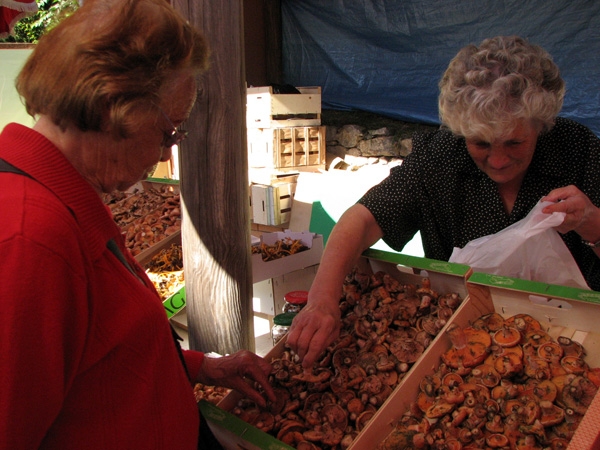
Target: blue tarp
x: 387, y: 56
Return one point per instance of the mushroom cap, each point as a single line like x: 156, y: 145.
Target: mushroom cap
x: 550, y: 351
x: 290, y: 426
x: 424, y: 401
x: 407, y: 350
x: 537, y: 338
x: 523, y: 322
x: 389, y: 378
x: 578, y: 394
x: 574, y: 364
x: 430, y: 384
x: 466, y: 357
x: 507, y: 336
x: 439, y: 409
x: 336, y: 416
x: 485, y: 374
x: 490, y: 322
x: 496, y: 440
x: 593, y: 374
x: 344, y: 357
x: 363, y: 419
x: 570, y: 347
x: 537, y: 368
x: 306, y: 445
x: 368, y: 361
x: 551, y: 414
x: 355, y: 406
x: 545, y: 390
x: 264, y: 421
x: 508, y: 364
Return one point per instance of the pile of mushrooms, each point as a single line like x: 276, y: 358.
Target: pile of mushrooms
x: 504, y: 383
x: 145, y: 216
x: 386, y: 326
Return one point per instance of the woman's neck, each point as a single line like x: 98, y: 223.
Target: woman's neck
x: 508, y: 193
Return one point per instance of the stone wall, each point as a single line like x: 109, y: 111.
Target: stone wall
x: 355, y: 139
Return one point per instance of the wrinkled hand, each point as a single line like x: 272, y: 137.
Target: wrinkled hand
x: 238, y: 371
x: 315, y: 327
x: 581, y: 213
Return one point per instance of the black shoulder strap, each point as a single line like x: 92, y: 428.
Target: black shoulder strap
x: 6, y: 167
x: 112, y: 246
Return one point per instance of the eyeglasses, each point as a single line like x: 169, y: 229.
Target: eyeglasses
x: 173, y: 137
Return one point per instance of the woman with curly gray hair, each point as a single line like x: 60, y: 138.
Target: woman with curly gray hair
x: 501, y: 149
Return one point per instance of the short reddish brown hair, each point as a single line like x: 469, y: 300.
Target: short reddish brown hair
x: 107, y: 59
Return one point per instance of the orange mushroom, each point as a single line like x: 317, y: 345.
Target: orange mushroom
x: 593, y: 374
x: 550, y: 414
x: 578, y: 394
x: 537, y: 338
x: 550, y: 351
x: 573, y: 364
x: 507, y: 336
x: 485, y: 374
x: 523, y: 322
x: 490, y: 322
x: 545, y: 390
x: 496, y: 440
x: 570, y: 347
x: 508, y: 364
x: 439, y: 409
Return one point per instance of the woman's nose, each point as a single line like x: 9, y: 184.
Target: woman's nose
x: 497, y: 158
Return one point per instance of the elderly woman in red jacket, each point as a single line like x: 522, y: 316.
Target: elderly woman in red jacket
x: 89, y: 360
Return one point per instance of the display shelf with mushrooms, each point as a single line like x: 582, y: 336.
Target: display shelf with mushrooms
x: 386, y: 326
x: 165, y: 270
x: 146, y: 216
x: 503, y: 383
x: 280, y: 249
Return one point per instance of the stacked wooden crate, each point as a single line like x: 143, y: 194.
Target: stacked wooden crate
x: 285, y: 137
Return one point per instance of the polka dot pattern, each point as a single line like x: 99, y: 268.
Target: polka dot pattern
x: 439, y: 191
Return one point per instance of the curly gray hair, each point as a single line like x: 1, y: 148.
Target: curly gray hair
x: 487, y: 89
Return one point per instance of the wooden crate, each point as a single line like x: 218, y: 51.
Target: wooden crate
x: 562, y: 311
x: 272, y: 204
x: 264, y: 109
x: 286, y: 148
x: 444, y: 276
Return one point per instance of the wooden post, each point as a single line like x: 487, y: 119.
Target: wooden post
x: 214, y: 188
x: 273, y: 37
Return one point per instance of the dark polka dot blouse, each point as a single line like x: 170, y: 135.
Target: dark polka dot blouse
x: 439, y: 191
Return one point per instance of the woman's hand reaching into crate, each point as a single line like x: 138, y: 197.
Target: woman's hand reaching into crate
x: 240, y: 371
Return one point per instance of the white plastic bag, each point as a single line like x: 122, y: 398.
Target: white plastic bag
x: 530, y: 249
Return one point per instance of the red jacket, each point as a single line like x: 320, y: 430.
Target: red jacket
x: 88, y: 360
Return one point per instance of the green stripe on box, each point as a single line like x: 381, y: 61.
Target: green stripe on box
x: 508, y: 282
x: 175, y: 303
x: 584, y: 295
x: 238, y: 427
x: 417, y: 262
x: 547, y: 290
x: 162, y: 180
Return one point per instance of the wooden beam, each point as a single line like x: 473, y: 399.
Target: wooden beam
x: 214, y: 188
x: 273, y: 42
